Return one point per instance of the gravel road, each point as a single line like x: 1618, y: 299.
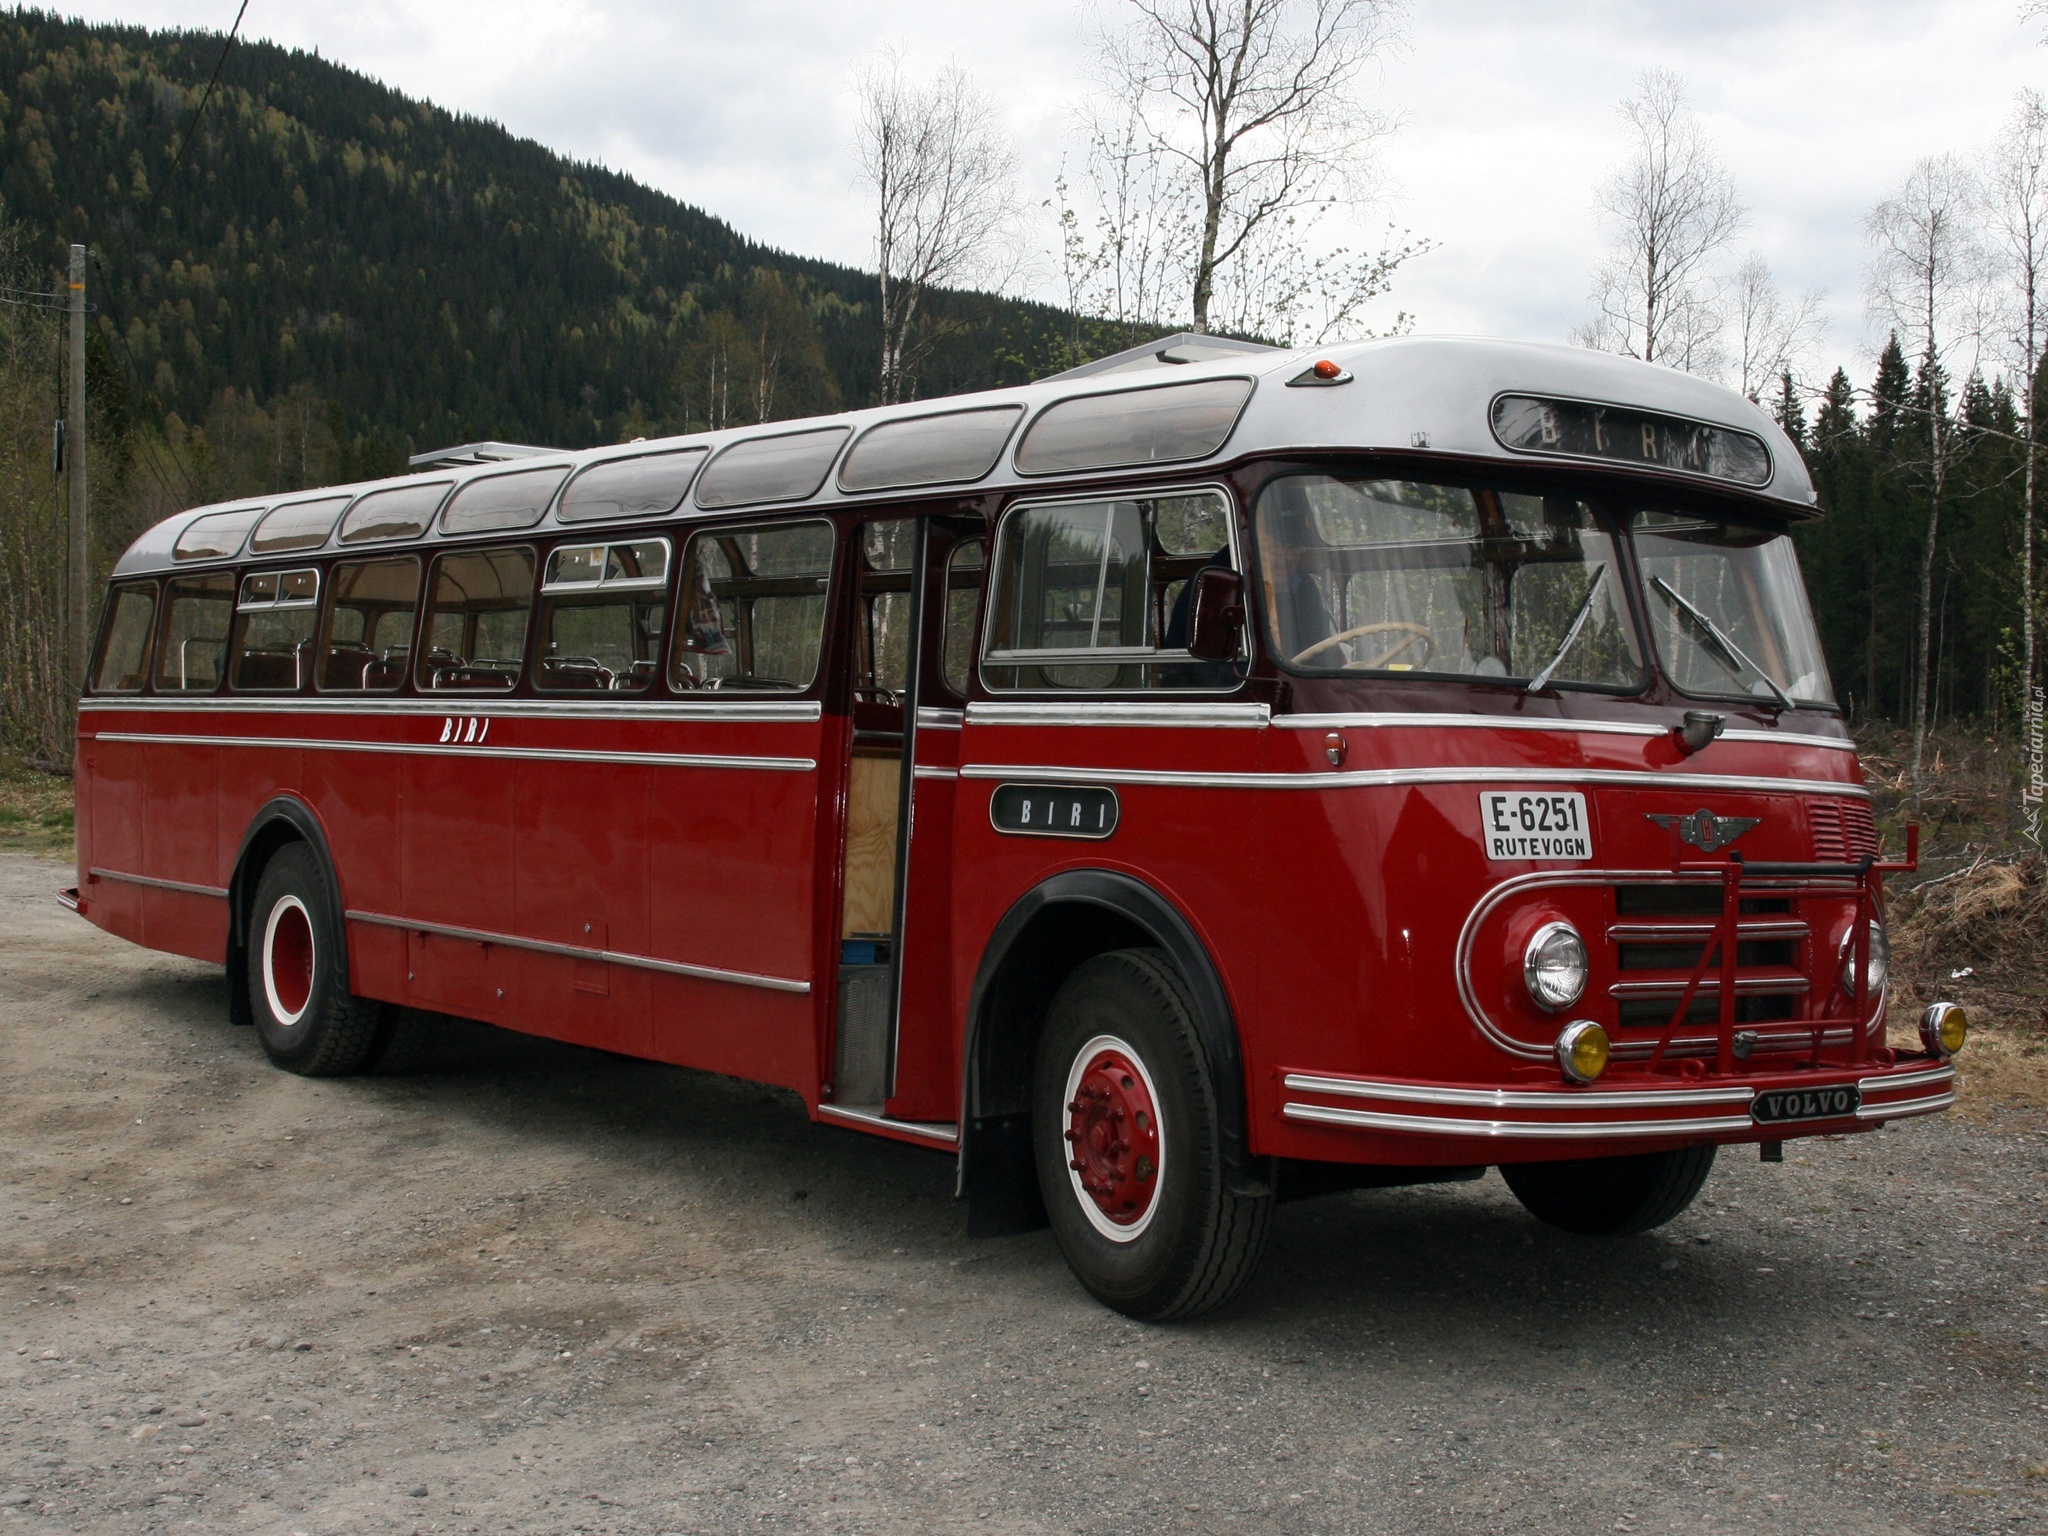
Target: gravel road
x: 540, y: 1290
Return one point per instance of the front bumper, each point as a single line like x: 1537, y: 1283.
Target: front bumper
x: 1661, y: 1109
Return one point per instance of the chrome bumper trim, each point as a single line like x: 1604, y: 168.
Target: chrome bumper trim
x: 1508, y: 1098
x: 1515, y: 1130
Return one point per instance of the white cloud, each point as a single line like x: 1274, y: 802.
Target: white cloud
x: 1507, y: 111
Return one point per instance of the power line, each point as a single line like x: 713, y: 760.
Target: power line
x: 197, y: 117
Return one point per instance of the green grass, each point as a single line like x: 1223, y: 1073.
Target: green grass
x: 35, y: 810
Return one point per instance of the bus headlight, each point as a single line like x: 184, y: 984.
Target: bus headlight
x: 1880, y: 961
x: 1582, y: 1051
x: 1554, y: 966
x: 1943, y: 1028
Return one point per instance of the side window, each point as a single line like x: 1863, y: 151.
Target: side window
x: 886, y: 551
x: 124, y: 644
x: 751, y: 608
x: 367, y: 645
x: 476, y: 622
x: 275, y: 639
x: 197, y: 613
x: 963, y: 601
x: 1108, y: 584
x: 602, y: 608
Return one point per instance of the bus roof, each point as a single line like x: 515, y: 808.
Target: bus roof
x: 1434, y: 394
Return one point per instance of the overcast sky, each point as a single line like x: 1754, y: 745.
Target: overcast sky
x: 1506, y: 107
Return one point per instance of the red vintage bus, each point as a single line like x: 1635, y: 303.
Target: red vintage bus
x: 1211, y: 775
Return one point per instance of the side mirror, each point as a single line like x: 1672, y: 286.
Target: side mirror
x: 1216, y: 621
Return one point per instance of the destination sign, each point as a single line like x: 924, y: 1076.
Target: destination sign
x: 1584, y: 430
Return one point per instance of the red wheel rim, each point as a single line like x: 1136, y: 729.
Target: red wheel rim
x: 288, y: 959
x: 1113, y: 1137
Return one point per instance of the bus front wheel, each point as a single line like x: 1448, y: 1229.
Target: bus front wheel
x: 1611, y: 1196
x: 1125, y: 1129
x: 298, y: 978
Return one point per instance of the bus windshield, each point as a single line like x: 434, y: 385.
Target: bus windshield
x: 1405, y: 576
x: 1728, y: 611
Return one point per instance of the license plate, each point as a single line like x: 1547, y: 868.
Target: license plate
x: 1776, y: 1106
x: 1540, y: 825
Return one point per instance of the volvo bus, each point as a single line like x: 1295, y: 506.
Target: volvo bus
x: 1214, y: 774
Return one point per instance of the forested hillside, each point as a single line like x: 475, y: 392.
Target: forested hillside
x: 430, y: 278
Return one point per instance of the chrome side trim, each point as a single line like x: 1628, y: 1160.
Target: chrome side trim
x: 579, y: 952
x: 1382, y: 719
x: 450, y: 749
x: 930, y: 719
x: 1941, y: 1074
x: 1387, y: 778
x: 1530, y: 1130
x: 1213, y: 716
x: 1377, y: 719
x: 1904, y: 1107
x: 1507, y: 1098
x: 936, y: 1132
x: 926, y: 771
x: 795, y: 711
x: 161, y: 885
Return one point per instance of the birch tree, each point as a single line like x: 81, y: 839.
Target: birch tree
x: 1252, y: 107
x: 943, y: 180
x: 1922, y: 285
x: 1772, y: 332
x: 1671, y: 209
x: 2016, y: 217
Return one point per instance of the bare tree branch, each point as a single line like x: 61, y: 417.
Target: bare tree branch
x: 1253, y: 99
x: 943, y: 179
x: 2016, y: 220
x: 1671, y: 207
x: 1924, y: 284
x: 1773, y: 333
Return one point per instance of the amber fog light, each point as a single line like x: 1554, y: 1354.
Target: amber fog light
x: 1943, y: 1028
x: 1879, y: 965
x: 1554, y: 967
x: 1582, y: 1051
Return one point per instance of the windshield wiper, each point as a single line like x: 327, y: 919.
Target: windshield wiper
x: 1571, y: 635
x: 1730, y: 651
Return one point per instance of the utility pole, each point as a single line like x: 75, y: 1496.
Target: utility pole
x: 74, y: 458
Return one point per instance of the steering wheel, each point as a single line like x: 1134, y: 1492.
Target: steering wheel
x: 1412, y: 634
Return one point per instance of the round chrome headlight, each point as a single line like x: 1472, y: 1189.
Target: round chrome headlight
x: 1943, y: 1028
x: 1880, y: 961
x: 1582, y: 1051
x: 1554, y: 966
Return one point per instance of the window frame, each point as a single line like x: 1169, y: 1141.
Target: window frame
x: 424, y: 620
x: 163, y: 625
x: 323, y: 636
x: 238, y: 630
x: 993, y: 559
x: 154, y: 587
x: 838, y: 531
x: 1611, y: 508
x: 545, y: 590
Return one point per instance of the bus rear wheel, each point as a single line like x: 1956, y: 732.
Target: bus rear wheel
x: 298, y: 976
x: 1125, y: 1129
x: 1611, y: 1196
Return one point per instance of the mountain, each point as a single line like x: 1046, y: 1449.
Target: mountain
x: 411, y: 277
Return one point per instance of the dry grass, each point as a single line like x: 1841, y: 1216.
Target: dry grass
x: 35, y: 810
x: 1972, y: 925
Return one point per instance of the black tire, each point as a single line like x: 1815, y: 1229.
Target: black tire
x: 1194, y: 1244
x: 298, y: 972
x: 407, y: 1042
x: 1611, y: 1196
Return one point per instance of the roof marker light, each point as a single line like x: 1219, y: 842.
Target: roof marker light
x: 1320, y: 375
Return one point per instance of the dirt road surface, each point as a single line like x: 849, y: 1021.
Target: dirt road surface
x: 540, y: 1290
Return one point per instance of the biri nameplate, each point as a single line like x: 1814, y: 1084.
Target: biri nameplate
x: 1054, y: 810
